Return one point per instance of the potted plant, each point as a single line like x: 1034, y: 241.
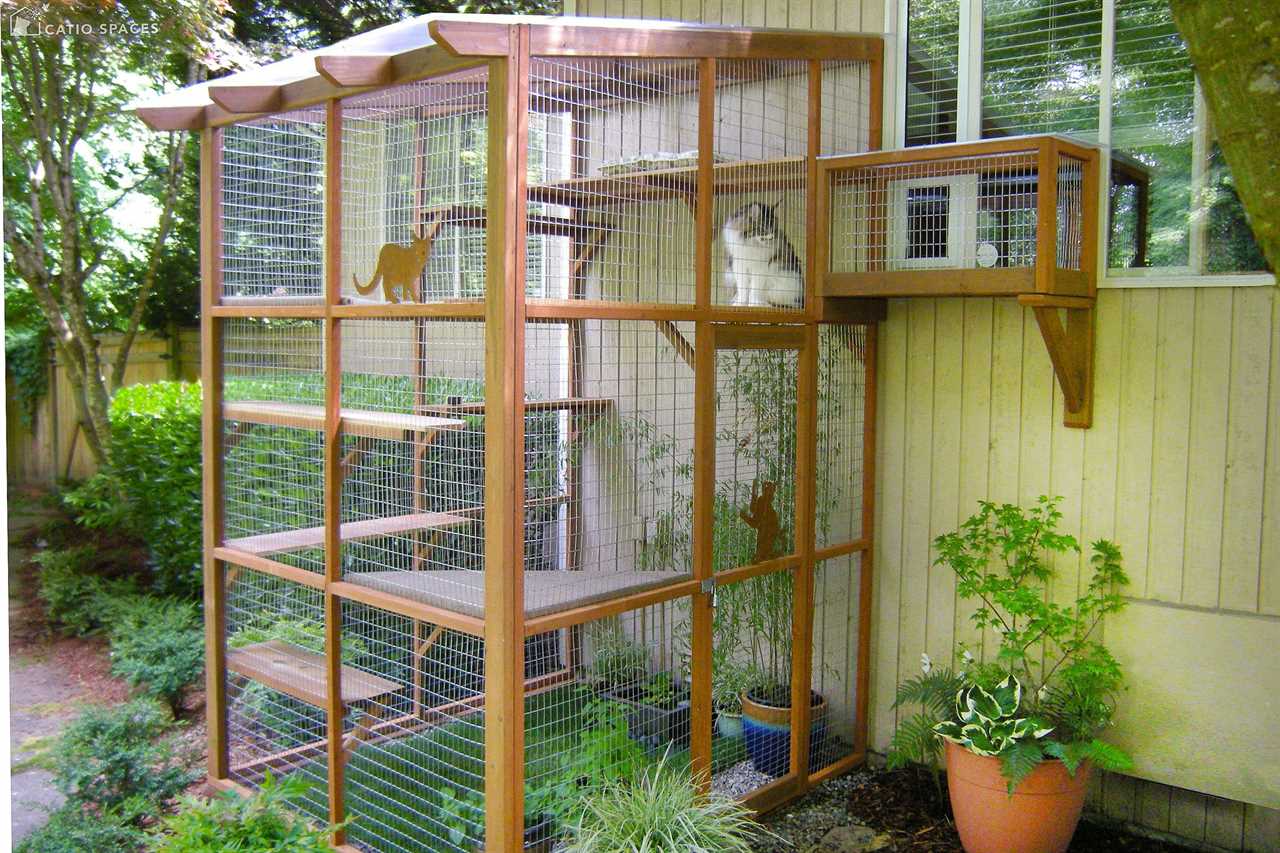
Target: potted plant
x: 729, y: 681
x: 766, y: 603
x: 1020, y: 730
x: 658, y: 710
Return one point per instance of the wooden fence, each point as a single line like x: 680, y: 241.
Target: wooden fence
x: 51, y: 447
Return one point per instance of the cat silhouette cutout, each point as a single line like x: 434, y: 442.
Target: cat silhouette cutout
x: 400, y: 266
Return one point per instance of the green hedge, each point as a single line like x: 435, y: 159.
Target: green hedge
x: 151, y: 487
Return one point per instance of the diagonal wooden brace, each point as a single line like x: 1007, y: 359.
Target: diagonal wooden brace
x: 1070, y: 346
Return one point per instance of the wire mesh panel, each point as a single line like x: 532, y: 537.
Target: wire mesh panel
x: 761, y: 129
x: 273, y: 439
x: 608, y: 449
x: 846, y: 108
x: 1070, y: 212
x: 755, y: 455
x: 272, y: 208
x: 841, y: 409
x: 413, y: 459
x: 835, y: 655
x: 751, y: 683
x: 276, y: 682
x: 415, y: 738
x: 413, y: 191
x: 623, y: 705
x: 612, y: 178
x: 964, y: 213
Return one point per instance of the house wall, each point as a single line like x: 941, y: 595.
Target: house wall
x: 1181, y: 469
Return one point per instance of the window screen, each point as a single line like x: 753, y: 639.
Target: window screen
x: 933, y: 48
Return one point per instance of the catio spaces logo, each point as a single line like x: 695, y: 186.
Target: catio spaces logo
x: 34, y: 19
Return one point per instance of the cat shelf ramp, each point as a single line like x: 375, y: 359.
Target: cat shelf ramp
x: 1012, y: 217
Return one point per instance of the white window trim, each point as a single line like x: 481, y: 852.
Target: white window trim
x: 969, y: 129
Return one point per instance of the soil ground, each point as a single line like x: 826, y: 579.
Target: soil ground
x: 905, y: 814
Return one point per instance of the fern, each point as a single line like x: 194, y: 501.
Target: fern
x: 1108, y: 757
x: 914, y: 741
x: 1018, y: 760
x: 935, y: 691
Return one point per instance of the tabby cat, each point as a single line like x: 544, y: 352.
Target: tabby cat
x: 761, y: 267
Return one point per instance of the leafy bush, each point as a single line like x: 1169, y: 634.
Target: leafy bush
x: 77, y: 600
x: 157, y: 644
x: 264, y: 823
x: 107, y: 757
x: 26, y: 355
x: 660, y: 810
x: 76, y: 829
x: 151, y: 486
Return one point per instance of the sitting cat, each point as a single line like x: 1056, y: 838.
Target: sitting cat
x: 399, y: 266
x: 761, y: 267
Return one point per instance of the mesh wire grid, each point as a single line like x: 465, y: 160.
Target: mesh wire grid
x: 761, y: 127
x: 841, y: 410
x: 413, y: 493
x: 615, y: 700
x: 751, y: 677
x: 276, y: 683
x: 272, y: 208
x: 835, y: 655
x: 608, y: 449
x: 968, y: 212
x: 273, y: 439
x: 612, y: 169
x: 413, y: 167
x: 1070, y: 212
x: 756, y: 393
x: 846, y: 108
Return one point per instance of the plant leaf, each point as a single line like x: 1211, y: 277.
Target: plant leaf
x: 1017, y: 762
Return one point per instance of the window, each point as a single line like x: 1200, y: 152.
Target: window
x: 1043, y: 69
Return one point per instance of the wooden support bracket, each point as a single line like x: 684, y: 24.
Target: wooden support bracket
x: 1070, y: 346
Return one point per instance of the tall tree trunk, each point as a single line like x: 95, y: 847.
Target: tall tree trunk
x: 1235, y: 47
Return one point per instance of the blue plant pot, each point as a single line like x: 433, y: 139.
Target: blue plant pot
x: 766, y: 730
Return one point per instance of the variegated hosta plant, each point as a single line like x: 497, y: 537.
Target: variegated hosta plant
x: 987, y: 722
x: 1048, y: 689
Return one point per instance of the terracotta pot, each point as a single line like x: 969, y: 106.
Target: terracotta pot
x: 1040, y: 817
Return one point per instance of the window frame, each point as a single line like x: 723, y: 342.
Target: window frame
x: 969, y: 125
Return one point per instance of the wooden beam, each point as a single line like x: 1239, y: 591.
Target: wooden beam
x: 252, y: 98
x: 609, y: 607
x: 802, y: 599
x: 352, y: 70
x: 1070, y: 346
x: 749, y: 336
x: 267, y: 566
x: 1050, y: 300
x: 215, y: 613
x: 968, y: 282
x: 866, y: 562
x: 683, y: 348
x: 408, y: 607
x: 504, y: 438
x: 1046, y: 216
x: 853, y: 310
x: 172, y: 118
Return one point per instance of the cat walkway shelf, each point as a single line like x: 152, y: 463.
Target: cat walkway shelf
x: 287, y: 541
x: 389, y: 425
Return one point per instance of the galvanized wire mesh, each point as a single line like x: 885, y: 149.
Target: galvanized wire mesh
x: 275, y: 682
x: 608, y: 449
x: 1070, y: 212
x: 841, y: 410
x: 755, y: 456
x: 846, y: 108
x: 970, y: 212
x: 413, y: 166
x: 272, y: 208
x: 273, y: 439
x: 835, y: 655
x: 612, y: 172
x: 761, y: 122
x: 413, y: 480
x: 618, y: 703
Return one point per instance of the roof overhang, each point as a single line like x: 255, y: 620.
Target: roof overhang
x: 437, y: 44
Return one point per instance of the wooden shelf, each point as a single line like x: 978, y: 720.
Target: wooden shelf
x: 353, y: 531
x: 299, y: 673
x: 392, y: 425
x: 579, y: 405
x: 786, y: 173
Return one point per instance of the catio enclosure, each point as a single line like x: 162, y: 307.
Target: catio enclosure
x: 515, y: 483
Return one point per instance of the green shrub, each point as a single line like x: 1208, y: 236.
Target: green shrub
x: 108, y: 757
x: 77, y: 601
x: 659, y: 810
x: 155, y: 469
x: 77, y: 829
x: 157, y: 645
x: 264, y: 823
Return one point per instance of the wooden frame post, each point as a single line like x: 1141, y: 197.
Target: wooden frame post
x: 504, y: 438
x: 704, y: 447
x: 215, y: 593
x: 870, y: 351
x: 333, y: 468
x: 1046, y: 216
